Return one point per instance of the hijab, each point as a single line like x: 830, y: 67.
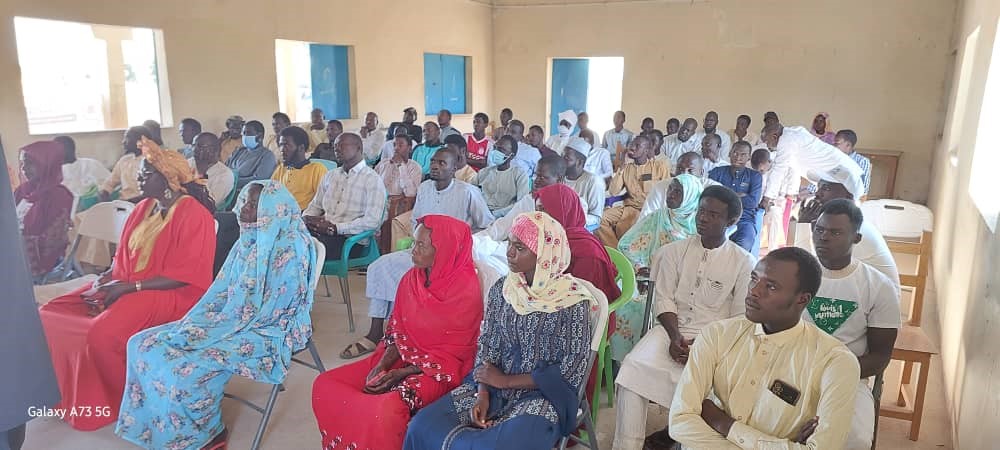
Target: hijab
x: 50, y: 200
x: 665, y: 225
x: 551, y: 289
x: 439, y: 310
x: 590, y: 260
x: 264, y: 287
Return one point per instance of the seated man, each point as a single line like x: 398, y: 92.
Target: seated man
x: 253, y: 161
x: 775, y: 380
x: 690, y: 163
x: 567, y: 120
x: 678, y: 144
x: 635, y: 179
x: 279, y: 121
x: 856, y: 304
x: 711, y: 148
x: 443, y: 195
x: 619, y: 136
x: 527, y: 155
x: 598, y: 158
x: 400, y: 174
x: 463, y: 171
x: 334, y: 128
x: 478, y: 142
x: 699, y: 280
x: 444, y: 123
x: 124, y: 174
x: 220, y: 180
x: 316, y: 130
x: 747, y: 183
x: 80, y: 175
x: 373, y: 138
x: 536, y: 139
x: 324, y: 154
x: 588, y: 186
x: 349, y: 200
x: 423, y: 153
x: 845, y: 140
x: 188, y: 129
x: 872, y: 249
x: 232, y: 137
x: 299, y: 175
x: 502, y: 183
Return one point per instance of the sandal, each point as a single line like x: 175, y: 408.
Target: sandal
x: 363, y: 347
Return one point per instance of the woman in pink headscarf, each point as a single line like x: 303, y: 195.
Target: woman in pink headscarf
x: 821, y: 128
x: 43, y: 206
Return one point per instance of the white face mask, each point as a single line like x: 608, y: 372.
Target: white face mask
x: 564, y: 131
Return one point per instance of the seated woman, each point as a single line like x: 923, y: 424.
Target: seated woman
x: 674, y: 222
x: 248, y: 323
x: 429, y: 346
x: 532, y: 355
x: 43, y: 206
x: 160, y: 271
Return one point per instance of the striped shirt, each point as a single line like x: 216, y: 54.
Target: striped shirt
x: 354, y: 200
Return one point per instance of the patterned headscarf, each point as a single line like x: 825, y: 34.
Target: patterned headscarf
x: 551, y: 289
x: 171, y: 164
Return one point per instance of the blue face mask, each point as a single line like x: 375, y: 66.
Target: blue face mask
x: 250, y: 142
x: 495, y: 157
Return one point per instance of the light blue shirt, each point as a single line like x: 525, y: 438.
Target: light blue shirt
x: 526, y: 158
x: 460, y: 200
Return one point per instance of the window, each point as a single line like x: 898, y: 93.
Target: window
x: 445, y: 83
x: 313, y: 76
x: 78, y: 77
x: 985, y: 157
x: 593, y: 85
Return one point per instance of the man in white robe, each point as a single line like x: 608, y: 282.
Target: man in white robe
x: 558, y: 141
x: 678, y: 144
x: 699, y: 280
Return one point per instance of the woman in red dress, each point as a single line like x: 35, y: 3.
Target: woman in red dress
x: 429, y: 346
x: 162, y: 267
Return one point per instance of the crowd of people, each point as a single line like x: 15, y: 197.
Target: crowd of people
x: 494, y: 255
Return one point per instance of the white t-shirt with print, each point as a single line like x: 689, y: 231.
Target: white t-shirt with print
x: 850, y: 301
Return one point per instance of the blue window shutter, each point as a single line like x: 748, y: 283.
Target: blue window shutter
x: 569, y: 87
x: 433, y: 83
x: 331, y: 90
x: 453, y: 83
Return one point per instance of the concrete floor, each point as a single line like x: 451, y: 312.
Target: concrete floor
x: 292, y: 424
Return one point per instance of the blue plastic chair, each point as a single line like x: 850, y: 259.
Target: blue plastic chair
x: 330, y: 165
x: 340, y: 268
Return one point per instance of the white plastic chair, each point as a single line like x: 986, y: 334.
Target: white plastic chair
x: 103, y: 221
x: 317, y: 363
x: 898, y: 218
x: 488, y: 276
x: 598, y: 326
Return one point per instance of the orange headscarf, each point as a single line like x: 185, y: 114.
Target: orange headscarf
x: 171, y: 164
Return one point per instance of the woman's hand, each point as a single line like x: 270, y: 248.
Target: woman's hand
x: 384, y: 381
x: 489, y: 374
x: 480, y: 410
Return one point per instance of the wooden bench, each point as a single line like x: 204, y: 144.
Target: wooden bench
x: 918, y: 281
x: 912, y: 347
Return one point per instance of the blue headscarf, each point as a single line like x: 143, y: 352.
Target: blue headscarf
x: 664, y: 226
x: 263, y: 292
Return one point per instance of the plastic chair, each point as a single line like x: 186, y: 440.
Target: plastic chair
x: 587, y: 432
x: 104, y: 221
x: 626, y: 280
x: 404, y: 243
x: 877, y: 394
x: 317, y: 364
x: 340, y: 268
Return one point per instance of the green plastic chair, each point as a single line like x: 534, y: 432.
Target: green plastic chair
x: 404, y: 243
x: 341, y: 267
x: 625, y: 279
x: 88, y: 199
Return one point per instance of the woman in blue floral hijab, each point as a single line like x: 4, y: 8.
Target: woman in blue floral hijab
x: 248, y: 323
